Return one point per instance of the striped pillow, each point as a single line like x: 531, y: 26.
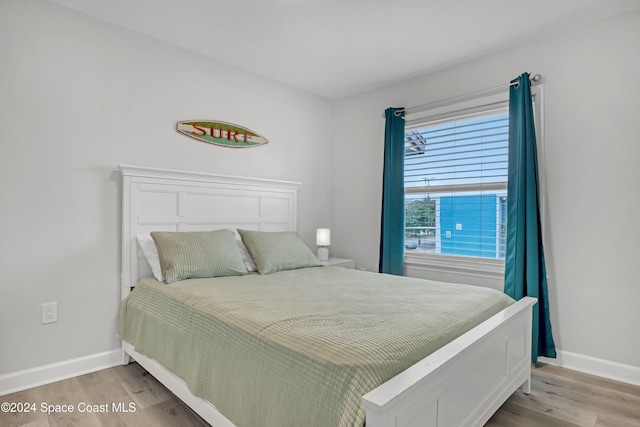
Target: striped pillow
x: 274, y: 251
x: 190, y: 255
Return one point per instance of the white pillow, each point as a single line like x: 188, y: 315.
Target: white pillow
x: 150, y: 252
x: 248, y: 261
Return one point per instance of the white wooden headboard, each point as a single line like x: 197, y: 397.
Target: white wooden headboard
x: 170, y: 200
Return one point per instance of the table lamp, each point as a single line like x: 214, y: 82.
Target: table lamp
x: 323, y: 239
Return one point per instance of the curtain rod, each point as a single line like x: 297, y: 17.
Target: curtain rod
x: 536, y: 78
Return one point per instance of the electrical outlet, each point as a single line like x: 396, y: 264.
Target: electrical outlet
x: 49, y: 312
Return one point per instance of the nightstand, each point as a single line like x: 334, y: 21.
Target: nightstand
x: 340, y: 262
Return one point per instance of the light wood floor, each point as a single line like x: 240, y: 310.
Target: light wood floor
x: 559, y: 397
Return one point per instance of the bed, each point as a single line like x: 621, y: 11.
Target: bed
x: 460, y: 383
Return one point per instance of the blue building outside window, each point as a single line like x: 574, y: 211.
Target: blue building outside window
x: 471, y: 225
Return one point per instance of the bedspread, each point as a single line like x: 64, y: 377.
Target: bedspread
x: 301, y: 347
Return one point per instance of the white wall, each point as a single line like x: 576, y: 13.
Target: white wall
x: 78, y: 97
x: 590, y: 165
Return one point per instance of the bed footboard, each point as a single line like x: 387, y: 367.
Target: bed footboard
x: 463, y: 383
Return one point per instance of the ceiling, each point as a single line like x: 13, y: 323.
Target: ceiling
x: 340, y: 48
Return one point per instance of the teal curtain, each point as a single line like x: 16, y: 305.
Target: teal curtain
x: 392, y: 227
x: 525, y: 271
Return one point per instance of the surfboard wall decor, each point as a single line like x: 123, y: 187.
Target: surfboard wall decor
x: 220, y: 133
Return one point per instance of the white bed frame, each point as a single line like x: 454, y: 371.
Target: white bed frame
x: 462, y: 384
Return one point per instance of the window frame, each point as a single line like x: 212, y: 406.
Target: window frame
x: 460, y: 264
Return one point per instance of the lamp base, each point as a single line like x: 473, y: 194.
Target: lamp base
x: 323, y: 253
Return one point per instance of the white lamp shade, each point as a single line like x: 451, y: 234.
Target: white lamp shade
x: 323, y: 237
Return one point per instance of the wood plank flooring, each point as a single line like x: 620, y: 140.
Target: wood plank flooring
x: 560, y: 397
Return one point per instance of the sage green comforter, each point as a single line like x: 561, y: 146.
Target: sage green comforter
x: 301, y: 347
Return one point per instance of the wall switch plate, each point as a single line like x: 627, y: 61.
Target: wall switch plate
x: 49, y: 312
x: 458, y: 226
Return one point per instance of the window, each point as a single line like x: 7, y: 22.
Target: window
x: 456, y: 183
x: 456, y: 167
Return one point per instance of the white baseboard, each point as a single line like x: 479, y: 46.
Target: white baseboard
x: 34, y: 377
x: 591, y: 365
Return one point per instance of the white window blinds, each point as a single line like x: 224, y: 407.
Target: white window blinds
x: 456, y: 183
